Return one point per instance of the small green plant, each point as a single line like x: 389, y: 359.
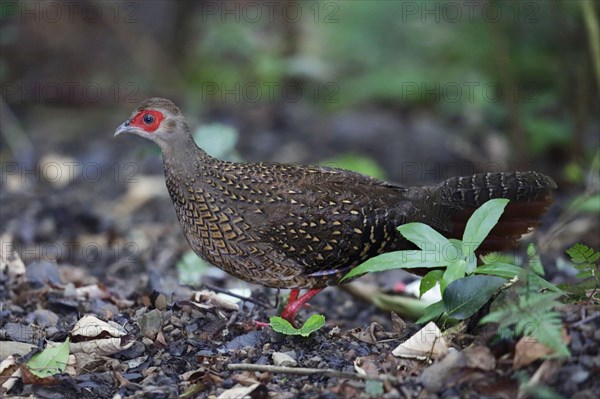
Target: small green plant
x: 586, y: 262
x: 314, y: 323
x: 527, y: 308
x: 50, y: 361
x: 465, y: 286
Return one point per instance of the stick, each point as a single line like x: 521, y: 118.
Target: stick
x: 308, y: 371
x: 243, y: 298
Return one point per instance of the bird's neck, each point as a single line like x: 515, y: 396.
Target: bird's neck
x: 184, y: 159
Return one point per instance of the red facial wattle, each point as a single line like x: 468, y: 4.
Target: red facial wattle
x: 148, y: 120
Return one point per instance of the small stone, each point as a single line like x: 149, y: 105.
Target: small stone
x: 43, y: 318
x: 160, y: 301
x: 283, y: 359
x: 15, y: 348
x: 43, y: 273
x: 150, y: 323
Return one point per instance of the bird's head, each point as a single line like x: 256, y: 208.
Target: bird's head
x: 156, y: 119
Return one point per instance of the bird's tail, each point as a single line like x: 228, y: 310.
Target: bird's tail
x: 530, y: 195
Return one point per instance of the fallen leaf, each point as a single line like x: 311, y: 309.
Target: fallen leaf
x: 91, y: 336
x: 50, y: 361
x: 91, y: 327
x: 240, y: 391
x: 426, y: 343
x: 10, y: 373
x: 529, y: 350
x: 10, y: 261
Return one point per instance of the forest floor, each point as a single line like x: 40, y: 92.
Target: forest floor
x: 85, y: 246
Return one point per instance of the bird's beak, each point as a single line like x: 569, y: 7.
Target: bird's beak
x: 123, y: 128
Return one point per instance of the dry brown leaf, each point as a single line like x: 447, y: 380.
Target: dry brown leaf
x: 239, y: 391
x: 91, y: 327
x: 426, y: 343
x: 10, y: 373
x: 480, y: 357
x: 29, y: 378
x: 529, y: 350
x: 94, y: 331
x: 103, y: 347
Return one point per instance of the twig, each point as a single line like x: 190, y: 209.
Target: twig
x: 308, y: 371
x: 586, y: 320
x: 243, y: 298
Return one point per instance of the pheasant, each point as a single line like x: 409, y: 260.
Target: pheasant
x: 304, y: 227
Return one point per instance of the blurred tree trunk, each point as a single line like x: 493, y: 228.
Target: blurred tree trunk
x: 508, y: 82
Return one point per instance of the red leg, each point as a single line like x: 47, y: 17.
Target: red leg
x: 294, y: 295
x: 295, y: 303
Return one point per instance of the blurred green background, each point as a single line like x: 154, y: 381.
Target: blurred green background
x: 417, y: 91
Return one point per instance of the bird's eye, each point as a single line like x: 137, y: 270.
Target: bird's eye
x: 148, y: 119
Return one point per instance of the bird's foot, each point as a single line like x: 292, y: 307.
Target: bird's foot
x: 295, y: 304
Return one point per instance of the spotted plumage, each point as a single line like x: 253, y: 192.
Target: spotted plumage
x: 292, y: 226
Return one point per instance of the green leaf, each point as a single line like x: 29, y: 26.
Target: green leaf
x: 432, y: 311
x: 397, y: 260
x: 427, y: 239
x: 498, y: 257
x: 357, y: 163
x: 412, y: 308
x: 538, y: 281
x: 471, y: 264
x: 535, y: 262
x: 481, y: 223
x: 311, y: 325
x: 533, y: 316
x: 429, y: 281
x: 580, y: 253
x: 504, y: 270
x: 457, y: 244
x: 462, y: 298
x: 50, y: 361
x: 586, y: 203
x: 454, y: 271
